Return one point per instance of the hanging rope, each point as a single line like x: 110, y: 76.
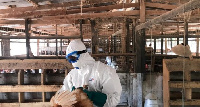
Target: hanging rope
x: 186, y: 19
x: 151, y: 61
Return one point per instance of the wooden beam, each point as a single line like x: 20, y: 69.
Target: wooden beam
x: 160, y: 5
x: 33, y: 8
x: 191, y: 5
x: 40, y: 37
x: 93, y: 15
x: 36, y: 14
x: 171, y: 36
x: 35, y: 104
x: 177, y: 64
x: 35, y: 64
x: 30, y: 88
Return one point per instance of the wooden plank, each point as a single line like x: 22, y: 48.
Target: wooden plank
x: 191, y: 5
x: 188, y: 102
x: 30, y: 88
x: 35, y: 64
x: 166, y: 88
x: 35, y: 104
x: 188, y: 84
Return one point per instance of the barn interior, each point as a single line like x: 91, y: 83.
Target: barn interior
x: 135, y: 37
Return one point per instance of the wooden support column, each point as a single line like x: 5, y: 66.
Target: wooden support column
x: 165, y: 45
x: 186, y: 32
x: 188, y: 91
x: 178, y: 33
x: 166, y: 88
x: 38, y: 46
x: 21, y: 82
x: 154, y: 46
x: 27, y: 29
x: 140, y: 51
x: 43, y: 76
x: 142, y: 11
x: 61, y: 47
x: 197, y: 52
x: 133, y: 35
x: 56, y: 40
x: 81, y: 29
x: 5, y: 46
x: 161, y: 45
x: 94, y: 37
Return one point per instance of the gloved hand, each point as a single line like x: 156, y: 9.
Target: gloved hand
x: 73, y: 88
x: 98, y: 98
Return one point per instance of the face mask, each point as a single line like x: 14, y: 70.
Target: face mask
x: 74, y: 56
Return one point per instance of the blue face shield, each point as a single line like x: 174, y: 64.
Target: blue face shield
x: 74, y: 56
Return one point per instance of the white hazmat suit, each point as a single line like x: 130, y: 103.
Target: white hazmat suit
x: 98, y: 76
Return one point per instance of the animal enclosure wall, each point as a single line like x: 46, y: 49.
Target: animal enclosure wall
x: 30, y: 84
x: 181, y: 82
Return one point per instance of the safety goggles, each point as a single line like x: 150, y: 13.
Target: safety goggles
x: 74, y: 56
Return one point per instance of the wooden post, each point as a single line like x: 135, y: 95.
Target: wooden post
x: 188, y: 91
x: 186, y: 32
x: 27, y: 29
x: 161, y: 45
x: 142, y: 11
x: 166, y: 89
x: 165, y: 45
x: 43, y: 76
x: 177, y: 33
x: 56, y: 40
x: 154, y: 46
x: 5, y: 46
x: 94, y: 36
x: 21, y: 82
x: 81, y: 29
x: 197, y: 52
x: 140, y: 52
x: 134, y: 35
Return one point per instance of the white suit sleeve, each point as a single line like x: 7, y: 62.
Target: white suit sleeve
x: 111, y: 87
x: 67, y: 83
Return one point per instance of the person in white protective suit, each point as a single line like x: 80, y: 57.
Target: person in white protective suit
x: 104, y: 87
